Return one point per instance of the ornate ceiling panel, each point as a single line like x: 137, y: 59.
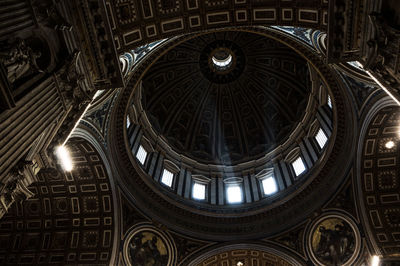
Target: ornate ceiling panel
x: 135, y: 23
x: 230, y: 117
x: 380, y: 179
x: 68, y: 221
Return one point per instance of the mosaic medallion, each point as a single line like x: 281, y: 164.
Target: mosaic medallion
x: 334, y: 240
x: 146, y: 246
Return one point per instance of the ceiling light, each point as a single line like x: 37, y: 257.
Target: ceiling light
x: 375, y: 261
x: 239, y: 263
x: 389, y: 144
x: 64, y: 157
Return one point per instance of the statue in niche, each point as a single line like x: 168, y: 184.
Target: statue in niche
x: 72, y: 82
x: 14, y: 190
x: 147, y: 249
x: 19, y: 60
x: 47, y: 14
x: 333, y: 241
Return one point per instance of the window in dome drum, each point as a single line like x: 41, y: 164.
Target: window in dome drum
x: 128, y: 121
x: 167, y: 178
x: 298, y: 166
x: 199, y: 191
x: 234, y: 194
x: 141, y: 154
x: 269, y: 185
x: 321, y: 138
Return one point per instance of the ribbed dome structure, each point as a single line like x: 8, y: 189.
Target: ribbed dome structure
x: 230, y: 127
x: 226, y: 97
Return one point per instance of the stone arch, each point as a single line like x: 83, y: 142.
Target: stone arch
x: 247, y: 254
x: 378, y: 180
x: 84, y: 133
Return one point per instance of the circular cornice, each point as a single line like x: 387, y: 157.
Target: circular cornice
x: 324, y: 181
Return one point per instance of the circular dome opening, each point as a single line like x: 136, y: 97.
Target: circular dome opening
x: 222, y: 59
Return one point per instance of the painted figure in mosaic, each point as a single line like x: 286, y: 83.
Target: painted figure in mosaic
x: 335, y: 245
x: 147, y: 250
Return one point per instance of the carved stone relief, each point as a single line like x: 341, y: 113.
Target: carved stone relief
x: 19, y: 59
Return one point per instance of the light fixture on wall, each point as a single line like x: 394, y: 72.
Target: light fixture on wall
x: 389, y: 144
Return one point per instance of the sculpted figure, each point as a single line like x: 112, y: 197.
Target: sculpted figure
x: 47, y: 14
x: 19, y: 60
x: 14, y: 190
x: 72, y: 82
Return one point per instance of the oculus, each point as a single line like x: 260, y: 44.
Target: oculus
x: 222, y: 59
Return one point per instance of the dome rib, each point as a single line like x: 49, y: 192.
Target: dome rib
x: 231, y: 115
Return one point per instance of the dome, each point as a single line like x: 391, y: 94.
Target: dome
x: 228, y: 127
x: 217, y: 132
x: 226, y: 98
